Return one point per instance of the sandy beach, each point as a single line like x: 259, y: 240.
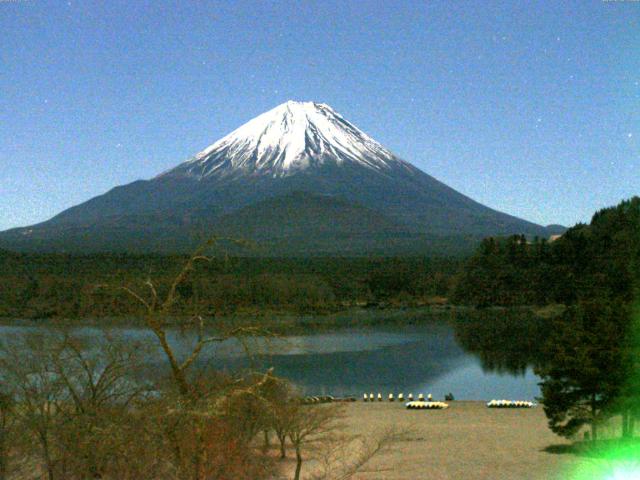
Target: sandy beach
x: 466, y: 441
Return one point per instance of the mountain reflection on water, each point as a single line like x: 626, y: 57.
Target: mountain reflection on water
x: 474, y: 359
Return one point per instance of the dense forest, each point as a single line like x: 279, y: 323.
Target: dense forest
x: 590, y: 362
x: 588, y: 260
x: 596, y: 260
x: 68, y: 286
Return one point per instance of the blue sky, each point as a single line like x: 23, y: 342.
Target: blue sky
x: 530, y: 107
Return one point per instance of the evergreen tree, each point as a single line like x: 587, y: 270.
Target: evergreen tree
x: 585, y: 367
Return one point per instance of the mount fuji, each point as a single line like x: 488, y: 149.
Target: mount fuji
x: 298, y: 180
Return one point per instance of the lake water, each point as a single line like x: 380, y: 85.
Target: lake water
x: 417, y: 359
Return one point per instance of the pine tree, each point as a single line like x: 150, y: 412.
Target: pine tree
x: 585, y: 368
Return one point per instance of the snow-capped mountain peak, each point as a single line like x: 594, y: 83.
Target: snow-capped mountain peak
x: 299, y: 180
x: 291, y: 137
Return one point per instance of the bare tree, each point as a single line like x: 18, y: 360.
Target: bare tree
x: 309, y: 426
x: 346, y: 456
x: 282, y: 403
x: 99, y: 372
x: 74, y: 400
x: 197, y: 408
x: 158, y: 310
x: 25, y: 366
x: 100, y: 388
x: 247, y: 411
x: 7, y: 430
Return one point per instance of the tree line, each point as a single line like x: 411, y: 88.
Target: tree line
x: 595, y: 260
x: 68, y: 286
x: 591, y: 359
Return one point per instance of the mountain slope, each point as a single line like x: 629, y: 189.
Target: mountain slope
x: 329, y: 174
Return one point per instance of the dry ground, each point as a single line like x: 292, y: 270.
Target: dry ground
x: 466, y: 441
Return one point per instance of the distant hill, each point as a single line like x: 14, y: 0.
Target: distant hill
x: 556, y: 229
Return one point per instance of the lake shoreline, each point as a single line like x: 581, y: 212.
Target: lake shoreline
x: 391, y: 353
x: 292, y: 322
x: 498, y: 443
